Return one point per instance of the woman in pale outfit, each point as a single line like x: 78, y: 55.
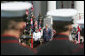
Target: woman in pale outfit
x: 36, y: 37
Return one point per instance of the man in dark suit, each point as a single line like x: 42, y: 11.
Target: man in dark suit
x: 12, y: 25
x: 60, y: 45
x: 47, y: 34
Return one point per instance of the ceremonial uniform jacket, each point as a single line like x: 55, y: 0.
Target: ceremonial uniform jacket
x: 11, y: 46
x: 60, y: 45
x: 36, y: 36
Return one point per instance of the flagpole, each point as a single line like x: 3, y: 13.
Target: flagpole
x: 32, y: 26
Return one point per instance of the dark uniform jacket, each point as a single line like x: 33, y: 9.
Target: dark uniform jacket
x: 47, y: 34
x: 11, y: 46
x: 60, y: 45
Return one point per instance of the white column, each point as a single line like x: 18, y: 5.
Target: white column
x: 79, y: 6
x: 51, y: 5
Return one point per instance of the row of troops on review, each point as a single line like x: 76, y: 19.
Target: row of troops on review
x: 13, y: 23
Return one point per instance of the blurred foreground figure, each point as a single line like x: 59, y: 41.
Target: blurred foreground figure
x: 12, y: 26
x: 60, y: 45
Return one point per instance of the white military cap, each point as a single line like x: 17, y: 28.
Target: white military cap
x: 62, y: 14
x: 14, y: 9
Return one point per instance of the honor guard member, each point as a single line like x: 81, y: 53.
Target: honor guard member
x: 12, y: 25
x: 60, y: 45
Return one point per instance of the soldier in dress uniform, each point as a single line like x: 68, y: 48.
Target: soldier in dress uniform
x: 12, y: 25
x: 60, y: 45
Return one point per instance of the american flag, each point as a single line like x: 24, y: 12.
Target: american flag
x: 78, y: 34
